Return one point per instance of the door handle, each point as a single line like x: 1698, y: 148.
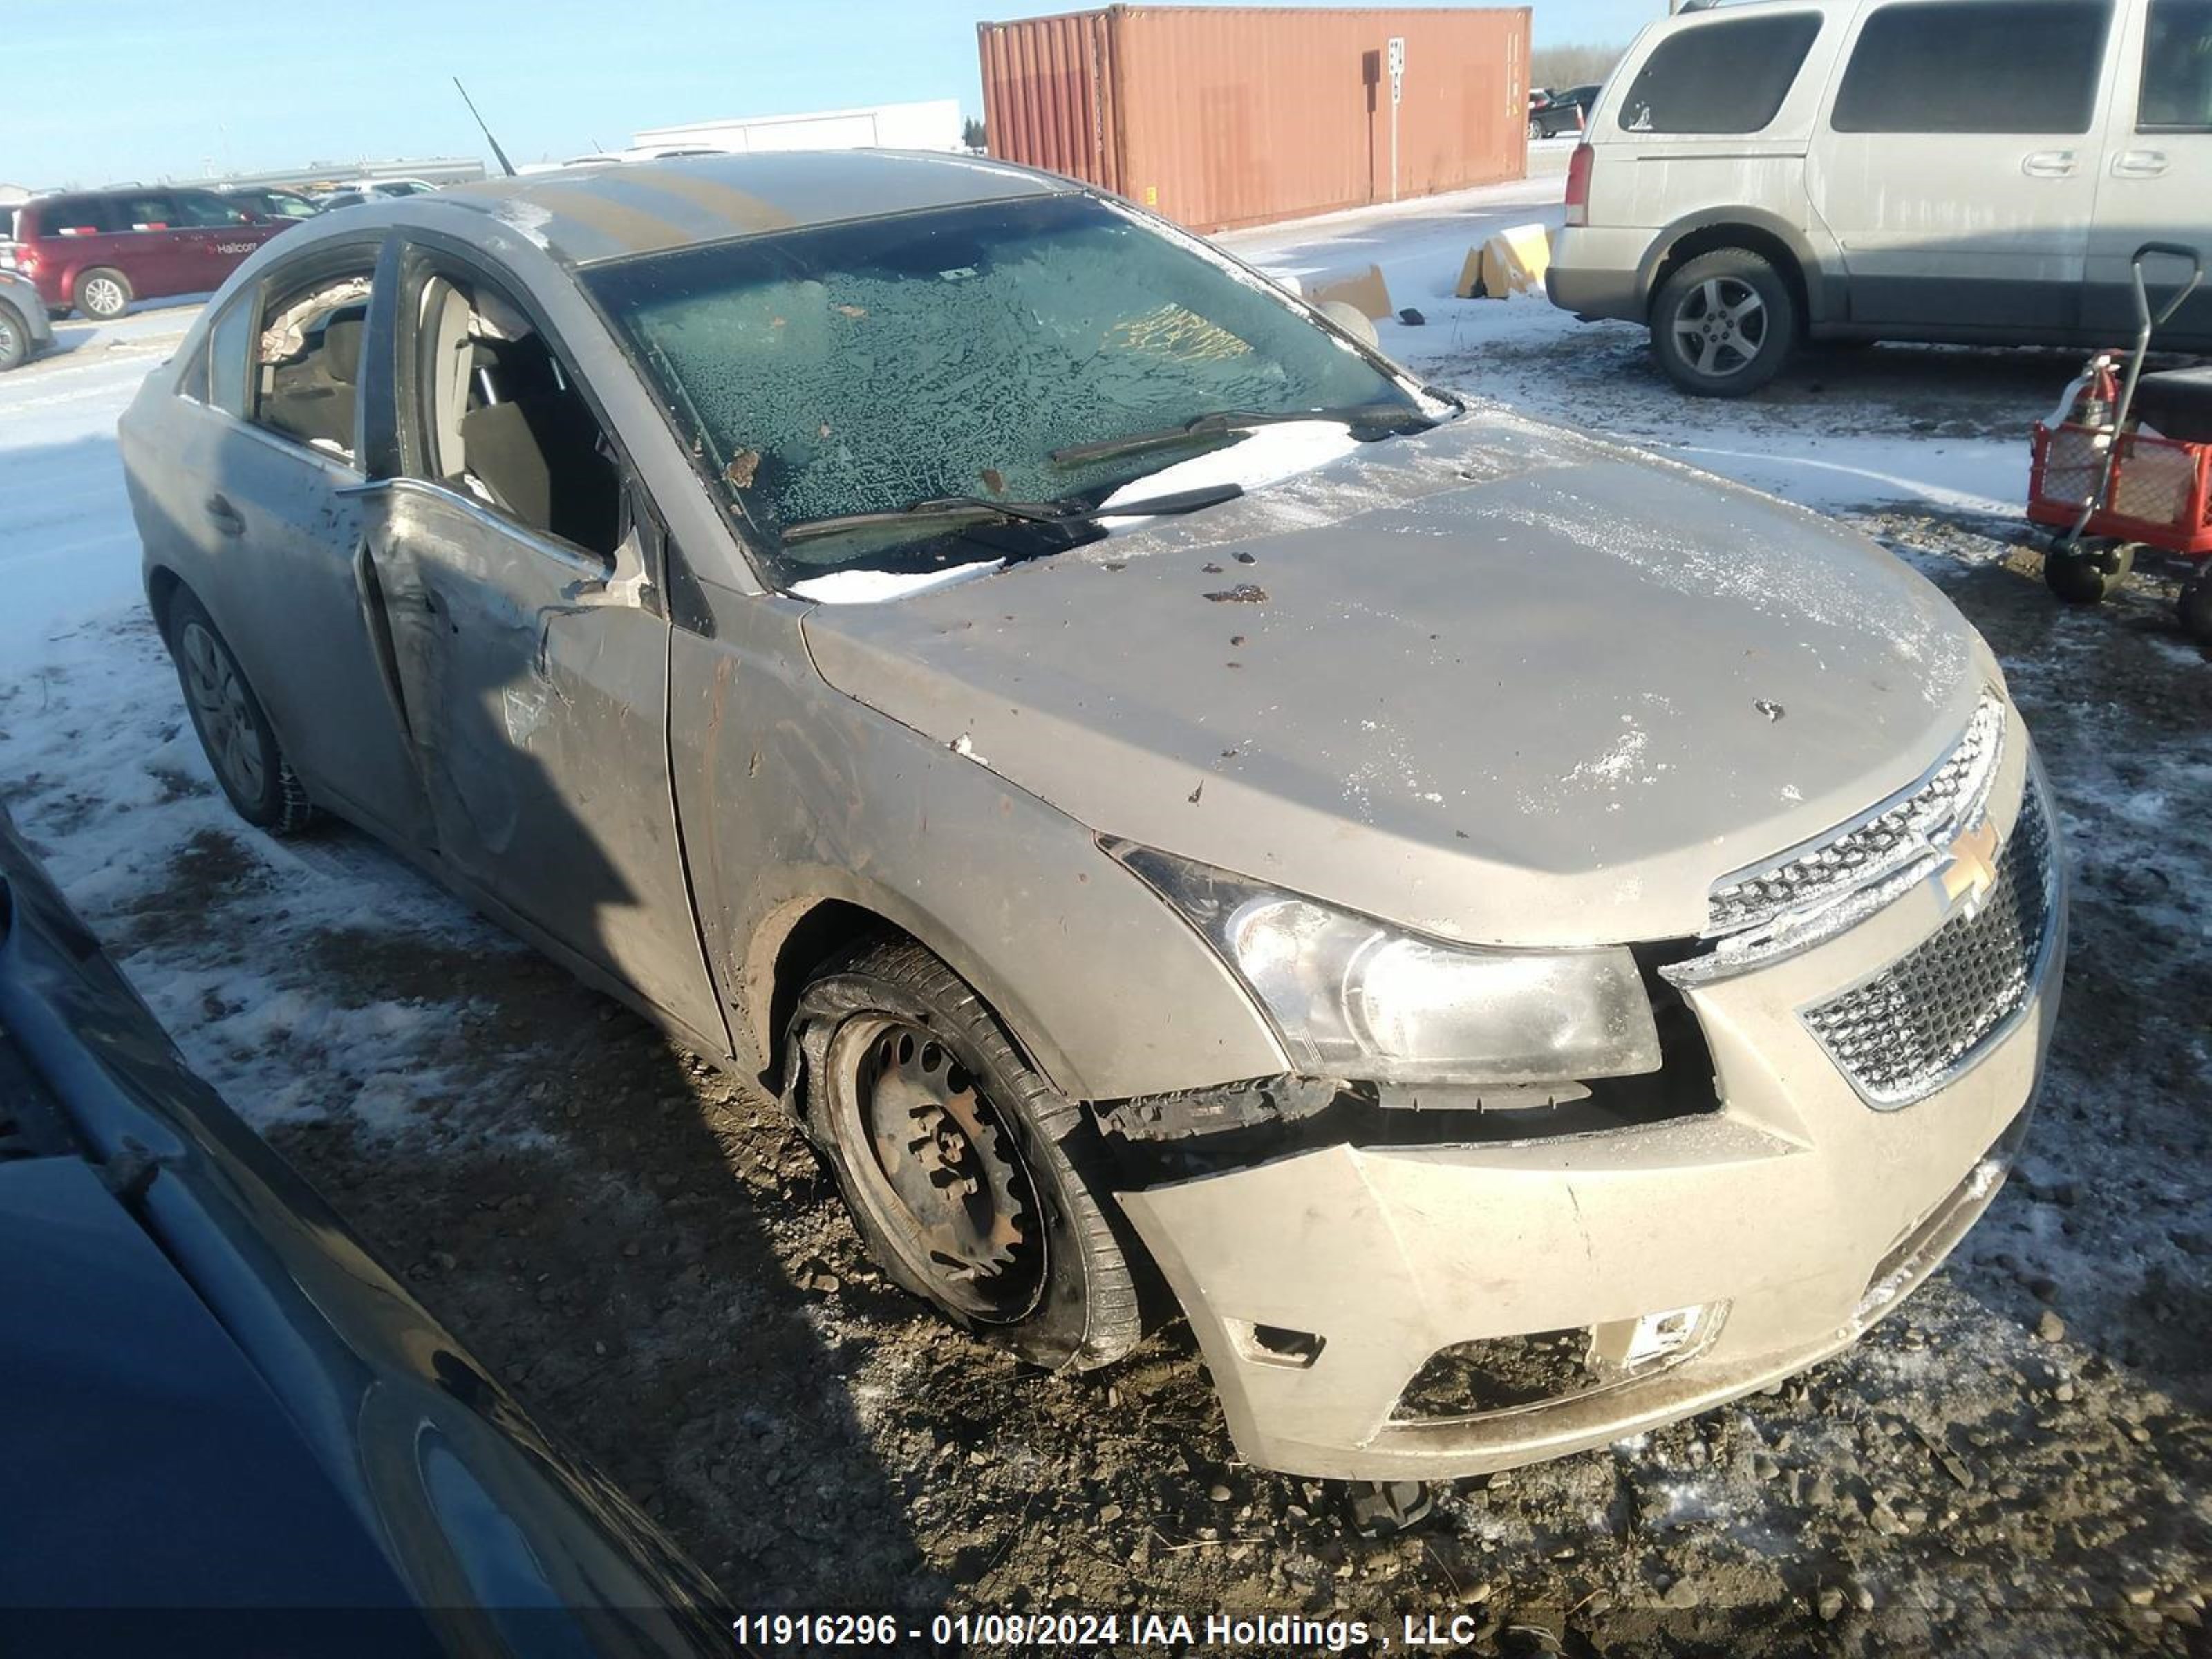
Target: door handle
x: 2139, y: 164
x: 2049, y: 164
x: 226, y: 516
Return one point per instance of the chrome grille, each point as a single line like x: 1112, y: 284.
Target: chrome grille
x: 1871, y: 849
x: 1905, y: 1033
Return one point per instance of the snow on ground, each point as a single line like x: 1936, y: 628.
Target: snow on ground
x: 439, y: 1078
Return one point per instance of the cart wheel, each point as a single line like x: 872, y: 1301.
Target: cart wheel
x: 2088, y: 572
x: 2195, y: 607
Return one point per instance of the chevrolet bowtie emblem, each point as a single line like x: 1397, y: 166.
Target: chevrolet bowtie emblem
x: 1971, y: 867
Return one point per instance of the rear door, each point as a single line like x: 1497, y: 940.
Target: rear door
x: 2157, y: 182
x: 517, y: 565
x: 268, y: 485
x: 1957, y: 167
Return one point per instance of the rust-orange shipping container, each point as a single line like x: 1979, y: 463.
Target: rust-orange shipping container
x: 1227, y: 116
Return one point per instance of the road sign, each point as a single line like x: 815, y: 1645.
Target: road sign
x: 1397, y: 68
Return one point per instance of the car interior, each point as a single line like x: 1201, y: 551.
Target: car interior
x: 506, y: 423
x: 308, y: 362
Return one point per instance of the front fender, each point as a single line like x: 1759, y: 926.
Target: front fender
x: 790, y: 792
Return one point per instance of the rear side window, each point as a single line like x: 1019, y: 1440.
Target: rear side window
x: 1727, y: 76
x: 1976, y: 66
x: 2177, y: 70
x: 73, y: 216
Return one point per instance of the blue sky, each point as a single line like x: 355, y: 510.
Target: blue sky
x: 137, y: 88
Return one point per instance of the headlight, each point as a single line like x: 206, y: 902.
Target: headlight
x: 1352, y: 997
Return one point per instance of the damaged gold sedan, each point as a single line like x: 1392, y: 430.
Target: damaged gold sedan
x: 1522, y: 941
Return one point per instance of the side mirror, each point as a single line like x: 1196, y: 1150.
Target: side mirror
x: 1353, y: 321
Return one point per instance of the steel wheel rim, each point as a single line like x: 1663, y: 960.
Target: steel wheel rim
x: 222, y: 711
x: 1720, y: 327
x: 936, y: 1170
x: 103, y: 296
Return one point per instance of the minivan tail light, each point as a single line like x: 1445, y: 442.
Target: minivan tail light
x: 1578, y: 184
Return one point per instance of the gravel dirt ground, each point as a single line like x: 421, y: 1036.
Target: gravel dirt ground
x: 2017, y: 1462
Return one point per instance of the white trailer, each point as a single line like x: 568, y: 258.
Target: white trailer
x: 934, y: 123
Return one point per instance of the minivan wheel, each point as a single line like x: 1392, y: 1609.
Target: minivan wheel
x: 2194, y: 607
x: 15, y: 338
x: 962, y: 1167
x: 1724, y: 323
x: 2087, y: 573
x: 103, y: 294
x: 240, y: 745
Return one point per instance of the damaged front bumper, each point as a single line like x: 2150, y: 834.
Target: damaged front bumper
x: 1392, y: 1312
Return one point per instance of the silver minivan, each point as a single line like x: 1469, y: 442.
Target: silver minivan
x: 1950, y: 170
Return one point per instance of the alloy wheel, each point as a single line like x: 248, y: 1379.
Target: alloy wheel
x: 936, y: 1168
x: 102, y: 297
x: 223, y: 711
x: 1720, y: 326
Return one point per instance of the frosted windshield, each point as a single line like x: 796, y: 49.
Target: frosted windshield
x: 863, y: 367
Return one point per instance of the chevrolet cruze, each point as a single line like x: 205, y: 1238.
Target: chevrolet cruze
x: 1521, y: 940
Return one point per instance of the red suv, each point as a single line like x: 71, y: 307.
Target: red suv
x: 96, y: 251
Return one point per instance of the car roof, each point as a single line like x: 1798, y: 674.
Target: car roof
x: 588, y: 214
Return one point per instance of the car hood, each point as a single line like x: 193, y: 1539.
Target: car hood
x: 1499, y: 682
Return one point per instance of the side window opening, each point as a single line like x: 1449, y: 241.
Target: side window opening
x: 2177, y: 70
x: 1727, y: 76
x: 506, y: 424
x: 306, y: 362
x: 2035, y: 67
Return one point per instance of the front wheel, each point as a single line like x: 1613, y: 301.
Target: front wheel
x: 103, y: 294
x: 964, y: 1169
x: 15, y: 338
x: 2087, y: 573
x: 1724, y: 323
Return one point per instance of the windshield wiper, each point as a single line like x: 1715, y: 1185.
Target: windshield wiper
x: 958, y: 507
x: 1233, y: 419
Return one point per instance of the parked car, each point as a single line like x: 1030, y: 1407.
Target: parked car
x: 1895, y: 197
x: 230, y: 1429
x: 1527, y: 941
x: 271, y: 203
x: 1561, y: 112
x: 25, y: 328
x: 97, y: 251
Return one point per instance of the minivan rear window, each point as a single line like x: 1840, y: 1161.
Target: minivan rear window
x: 2177, y: 70
x: 1725, y: 76
x: 1976, y: 66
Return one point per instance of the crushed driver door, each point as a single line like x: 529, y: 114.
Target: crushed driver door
x: 535, y: 677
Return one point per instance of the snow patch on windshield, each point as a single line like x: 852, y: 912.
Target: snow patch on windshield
x: 875, y: 586
x: 1268, y: 455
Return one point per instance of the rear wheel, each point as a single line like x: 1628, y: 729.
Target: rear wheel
x: 963, y: 1168
x: 241, y: 747
x: 1724, y: 324
x: 15, y: 338
x: 2087, y: 573
x: 103, y: 293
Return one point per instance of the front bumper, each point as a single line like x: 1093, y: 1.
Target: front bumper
x: 1321, y: 1285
